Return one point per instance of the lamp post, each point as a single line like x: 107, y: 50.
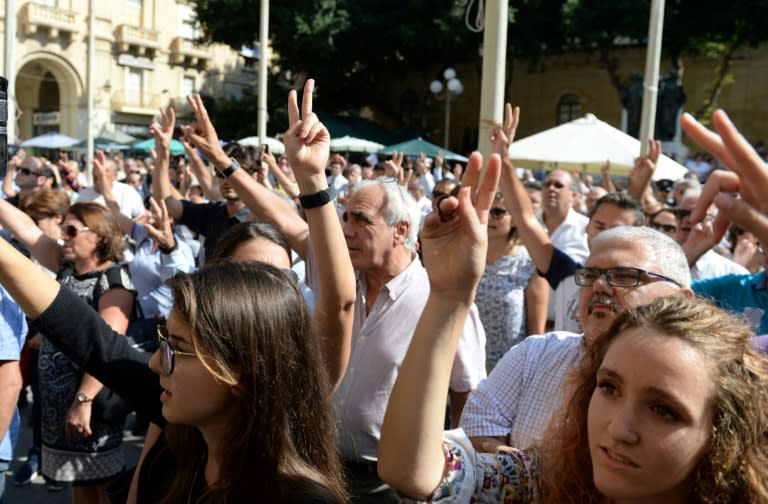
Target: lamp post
x: 452, y: 88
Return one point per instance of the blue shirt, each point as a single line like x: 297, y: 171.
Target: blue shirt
x: 13, y: 330
x: 744, y: 294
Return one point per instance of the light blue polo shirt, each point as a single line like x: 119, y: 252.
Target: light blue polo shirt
x: 13, y: 330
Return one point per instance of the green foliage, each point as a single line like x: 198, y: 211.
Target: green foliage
x: 352, y: 46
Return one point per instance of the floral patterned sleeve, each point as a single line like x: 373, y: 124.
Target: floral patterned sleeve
x: 484, y: 478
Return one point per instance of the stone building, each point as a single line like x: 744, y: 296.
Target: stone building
x: 145, y: 58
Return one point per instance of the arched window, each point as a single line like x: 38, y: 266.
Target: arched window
x: 568, y: 108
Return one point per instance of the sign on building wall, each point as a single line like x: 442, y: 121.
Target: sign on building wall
x: 136, y: 61
x: 46, y: 118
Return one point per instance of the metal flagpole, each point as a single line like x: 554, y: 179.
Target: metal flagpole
x: 651, y: 83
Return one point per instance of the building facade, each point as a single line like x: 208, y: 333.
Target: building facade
x: 145, y: 58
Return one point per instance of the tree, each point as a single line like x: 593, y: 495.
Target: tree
x: 348, y: 46
x: 691, y: 28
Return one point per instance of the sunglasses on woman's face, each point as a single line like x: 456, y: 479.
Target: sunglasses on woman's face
x: 71, y: 231
x: 167, y: 352
x: 497, y: 213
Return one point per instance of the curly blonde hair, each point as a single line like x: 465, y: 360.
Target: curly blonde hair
x: 735, y: 470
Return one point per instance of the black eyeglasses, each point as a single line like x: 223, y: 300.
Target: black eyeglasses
x: 167, y: 352
x: 667, y: 228
x: 72, y: 231
x: 618, y: 277
x: 497, y: 213
x: 26, y: 171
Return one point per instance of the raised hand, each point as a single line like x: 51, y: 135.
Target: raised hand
x: 307, y: 141
x: 163, y: 132
x: 502, y: 135
x: 160, y: 229
x: 641, y: 173
x: 454, y: 242
x: 99, y: 175
x: 393, y: 167
x: 741, y: 195
x: 646, y: 165
x: 421, y: 164
x: 439, y: 160
x: 203, y: 135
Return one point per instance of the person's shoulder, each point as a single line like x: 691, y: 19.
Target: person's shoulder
x: 548, y: 344
x: 87, y: 194
x: 554, y: 338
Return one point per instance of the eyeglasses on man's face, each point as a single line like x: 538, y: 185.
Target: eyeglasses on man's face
x: 167, y: 352
x: 71, y: 231
x: 618, y: 277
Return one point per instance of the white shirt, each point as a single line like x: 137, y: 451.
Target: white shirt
x: 711, y: 264
x: 524, y: 390
x: 425, y: 208
x: 128, y: 199
x: 571, y: 238
x: 380, y: 340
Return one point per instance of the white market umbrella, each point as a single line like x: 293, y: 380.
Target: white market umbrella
x: 583, y: 145
x: 51, y: 140
x: 275, y: 145
x: 352, y: 144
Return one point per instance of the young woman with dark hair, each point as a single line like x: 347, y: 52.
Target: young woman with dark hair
x: 241, y: 384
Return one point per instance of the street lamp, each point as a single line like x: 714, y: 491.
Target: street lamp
x: 452, y: 88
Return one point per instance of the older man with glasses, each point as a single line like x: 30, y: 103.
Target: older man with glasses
x: 627, y: 267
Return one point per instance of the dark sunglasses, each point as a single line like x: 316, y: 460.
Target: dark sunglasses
x: 497, y: 213
x: 167, y: 352
x: 667, y: 228
x: 551, y: 183
x: 438, y: 194
x: 72, y: 231
x: 26, y: 171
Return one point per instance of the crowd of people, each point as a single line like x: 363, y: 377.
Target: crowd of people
x: 306, y: 329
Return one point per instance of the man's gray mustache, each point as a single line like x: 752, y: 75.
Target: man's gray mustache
x: 603, y: 300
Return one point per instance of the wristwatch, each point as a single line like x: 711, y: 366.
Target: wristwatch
x: 82, y: 398
x: 229, y: 170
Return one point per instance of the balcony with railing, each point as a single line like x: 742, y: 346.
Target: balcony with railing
x: 188, y: 53
x: 129, y: 101
x: 137, y: 39
x: 38, y: 17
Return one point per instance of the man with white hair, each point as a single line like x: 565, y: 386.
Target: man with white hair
x: 380, y: 224
x: 628, y: 266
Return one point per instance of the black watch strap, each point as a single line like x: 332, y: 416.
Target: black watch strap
x: 318, y: 199
x: 229, y: 170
